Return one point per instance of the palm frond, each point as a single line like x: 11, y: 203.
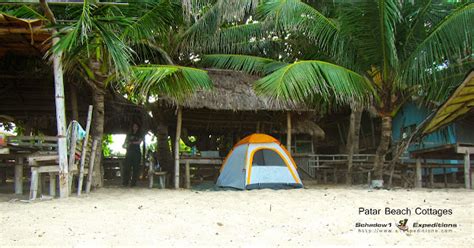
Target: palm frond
x: 79, y: 32
x: 23, y: 11
x: 119, y: 52
x: 420, y: 17
x: 237, y: 10
x: 246, y: 63
x: 313, y: 79
x: 153, y: 19
x: 95, y: 36
x: 371, y: 27
x: 218, y: 15
x: 389, y: 16
x: 447, y: 44
x: 295, y: 16
x: 230, y: 10
x: 192, y: 8
x: 233, y: 39
x: 447, y: 80
x: 204, y: 28
x: 169, y: 80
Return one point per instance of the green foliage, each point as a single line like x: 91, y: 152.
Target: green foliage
x: 174, y: 81
x: 109, y: 41
x: 106, y: 142
x: 24, y: 11
x: 449, y: 41
x: 402, y: 48
x: 246, y: 63
x: 94, y: 35
x: 302, y: 80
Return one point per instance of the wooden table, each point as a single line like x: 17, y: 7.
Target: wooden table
x: 20, y: 148
x: 197, y: 161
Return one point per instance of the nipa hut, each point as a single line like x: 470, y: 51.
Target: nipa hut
x: 213, y: 120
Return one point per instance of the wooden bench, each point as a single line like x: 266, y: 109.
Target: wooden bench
x: 80, y: 153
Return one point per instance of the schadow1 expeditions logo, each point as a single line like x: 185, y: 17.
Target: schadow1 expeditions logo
x: 402, y: 225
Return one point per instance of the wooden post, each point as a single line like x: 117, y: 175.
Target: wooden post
x: 188, y: 175
x: 72, y: 152
x: 60, y: 122
x: 84, y: 151
x: 143, y: 158
x: 91, y: 166
x: 431, y: 178
x: 467, y: 173
x: 472, y: 179
x: 418, y: 183
x: 369, y: 178
x: 34, y: 183
x: 445, y: 177
x: 176, y: 148
x: 151, y: 172
x: 52, y: 184
x: 288, y: 131
x: 74, y: 108
x: 19, y: 175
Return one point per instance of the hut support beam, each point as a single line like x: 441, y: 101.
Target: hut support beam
x: 288, y: 131
x: 418, y: 173
x: 467, y: 173
x: 445, y: 177
x: 60, y: 123
x: 176, y: 148
x: 431, y: 178
x: 19, y: 175
x: 74, y: 108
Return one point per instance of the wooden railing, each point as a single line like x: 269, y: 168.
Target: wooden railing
x: 38, y: 142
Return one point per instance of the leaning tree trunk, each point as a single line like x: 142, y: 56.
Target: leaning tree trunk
x: 385, y: 139
x: 98, y: 97
x: 352, y: 146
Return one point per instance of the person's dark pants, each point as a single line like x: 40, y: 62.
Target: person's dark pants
x: 131, y: 167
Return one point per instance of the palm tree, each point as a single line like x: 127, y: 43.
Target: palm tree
x: 400, y: 49
x: 104, y: 44
x: 179, y: 45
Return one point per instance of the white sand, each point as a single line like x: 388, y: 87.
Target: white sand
x: 257, y: 218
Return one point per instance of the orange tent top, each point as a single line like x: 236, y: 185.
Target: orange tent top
x: 257, y: 138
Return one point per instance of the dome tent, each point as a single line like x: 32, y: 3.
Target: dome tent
x: 259, y: 161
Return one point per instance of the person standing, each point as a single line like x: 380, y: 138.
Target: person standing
x: 133, y: 156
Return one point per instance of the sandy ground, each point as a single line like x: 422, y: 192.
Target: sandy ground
x: 308, y: 217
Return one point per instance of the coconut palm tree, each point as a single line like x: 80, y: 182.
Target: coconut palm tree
x: 103, y: 44
x: 400, y: 49
x: 178, y: 46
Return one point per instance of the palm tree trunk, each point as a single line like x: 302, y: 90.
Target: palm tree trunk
x: 164, y: 152
x: 98, y: 98
x: 352, y: 145
x: 385, y: 139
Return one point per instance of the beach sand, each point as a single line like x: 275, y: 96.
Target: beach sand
x: 315, y: 216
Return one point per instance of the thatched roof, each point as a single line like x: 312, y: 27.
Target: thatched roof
x: 23, y: 36
x: 309, y: 127
x: 232, y: 91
